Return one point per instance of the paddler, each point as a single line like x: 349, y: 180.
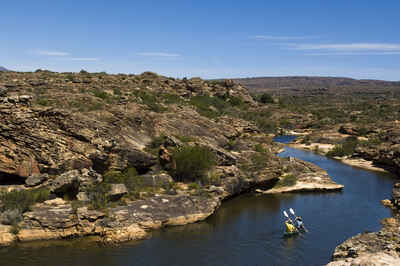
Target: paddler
x: 290, y: 228
x: 299, y: 223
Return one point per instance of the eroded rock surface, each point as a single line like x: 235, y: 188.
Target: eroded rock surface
x: 308, y: 177
x: 66, y: 131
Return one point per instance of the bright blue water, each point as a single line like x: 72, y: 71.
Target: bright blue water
x: 246, y: 230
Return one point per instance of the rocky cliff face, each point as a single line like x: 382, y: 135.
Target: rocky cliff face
x: 92, y: 154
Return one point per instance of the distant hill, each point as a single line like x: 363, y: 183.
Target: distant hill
x: 309, y: 86
x: 3, y: 69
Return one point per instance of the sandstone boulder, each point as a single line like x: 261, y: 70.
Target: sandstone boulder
x: 10, y: 217
x: 88, y: 177
x: 36, y: 179
x: 156, y: 180
x: 66, y: 183
x: 3, y: 91
x: 117, y: 191
x: 141, y: 160
x: 6, y: 238
x: 82, y: 196
x: 349, y: 130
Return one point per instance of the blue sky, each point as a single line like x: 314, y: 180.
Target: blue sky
x: 210, y: 39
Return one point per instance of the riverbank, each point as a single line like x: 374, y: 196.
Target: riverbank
x: 361, y: 163
x: 324, y: 148
x: 312, y: 179
x: 59, y: 219
x: 377, y: 248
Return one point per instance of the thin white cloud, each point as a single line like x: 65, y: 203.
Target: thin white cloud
x: 52, y: 53
x: 354, y: 47
x: 83, y: 59
x: 354, y: 53
x: 159, y: 54
x: 282, y: 38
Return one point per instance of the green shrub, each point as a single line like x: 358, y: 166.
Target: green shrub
x: 95, y: 106
x: 43, y: 102
x: 260, y: 148
x: 336, y: 151
x: 287, y: 181
x: 266, y: 98
x: 101, y: 94
x: 23, y: 200
x: 231, y: 145
x: 192, y: 163
x: 169, y: 98
x: 150, y: 100
x: 97, y: 195
x: 154, y: 146
x: 185, y: 139
x: 345, y: 149
x: 258, y: 161
x: 211, y: 107
x: 193, y: 186
x: 129, y: 177
x: 236, y: 101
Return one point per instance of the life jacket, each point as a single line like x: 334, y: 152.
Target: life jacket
x: 290, y: 228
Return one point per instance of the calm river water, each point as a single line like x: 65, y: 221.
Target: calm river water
x: 246, y: 230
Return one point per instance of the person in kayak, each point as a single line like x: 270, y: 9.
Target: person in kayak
x: 299, y: 223
x: 290, y: 228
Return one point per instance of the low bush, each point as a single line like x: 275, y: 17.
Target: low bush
x: 260, y: 148
x: 231, y: 145
x: 194, y: 186
x: 211, y: 107
x: 192, y: 163
x: 287, y: 181
x: 258, y: 161
x: 169, y: 98
x: 22, y: 200
x: 97, y: 195
x: 43, y: 102
x: 150, y: 100
x: 185, y: 139
x: 345, y: 149
x: 101, y: 94
x: 266, y: 98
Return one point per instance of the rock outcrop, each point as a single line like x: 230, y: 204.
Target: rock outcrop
x: 102, y: 146
x: 308, y: 177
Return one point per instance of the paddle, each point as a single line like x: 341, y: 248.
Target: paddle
x: 285, y: 213
x: 292, y: 212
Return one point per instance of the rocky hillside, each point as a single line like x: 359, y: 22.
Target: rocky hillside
x: 314, y: 86
x: 117, y: 155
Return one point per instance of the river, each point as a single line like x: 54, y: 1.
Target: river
x: 246, y: 230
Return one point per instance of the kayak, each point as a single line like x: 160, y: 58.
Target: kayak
x: 302, y: 229
x: 290, y: 234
